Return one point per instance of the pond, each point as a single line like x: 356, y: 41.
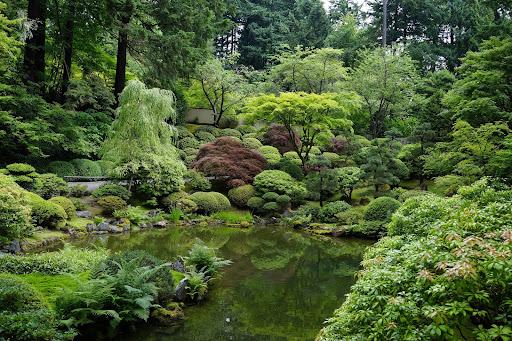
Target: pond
x: 282, y: 284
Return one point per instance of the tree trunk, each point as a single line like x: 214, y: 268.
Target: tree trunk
x: 68, y: 46
x: 384, y: 22
x: 122, y: 47
x: 33, y: 63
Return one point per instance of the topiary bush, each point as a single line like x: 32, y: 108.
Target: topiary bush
x: 84, y: 167
x: 187, y: 206
x: 188, y: 142
x: 209, y: 202
x: 183, y: 132
x: 45, y: 213
x: 222, y: 201
x: 271, y: 206
x: 256, y: 204
x: 111, y: 203
x: 207, y: 129
x: 293, y: 157
x: 270, y: 196
x: 381, y: 209
x: 283, y: 199
x: 62, y: 168
x: 228, y: 121
x: 15, y: 211
x: 252, y: 136
x: 330, y: 210
x: 231, y: 133
x: 109, y: 190
x: 25, y: 175
x: 246, y: 129
x: 291, y: 168
x: 279, y: 182
x: 251, y: 143
x: 241, y: 195
x: 66, y: 204
x: 197, y: 180
x: 52, y: 185
x: 204, y: 137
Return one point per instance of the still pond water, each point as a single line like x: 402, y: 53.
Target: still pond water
x: 282, y: 284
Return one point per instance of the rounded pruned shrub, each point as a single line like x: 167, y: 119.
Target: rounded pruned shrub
x: 271, y: 206
x: 270, y: 196
x: 188, y: 142
x: 291, y: 168
x: 84, y: 167
x: 66, y: 204
x: 52, y: 185
x: 381, y: 209
x: 14, y: 210
x: 45, y: 213
x: 251, y: 143
x: 293, y: 157
x: 283, y: 199
x: 62, y: 168
x: 246, y: 129
x: 20, y: 168
x: 187, y: 206
x: 207, y: 129
x: 256, y: 203
x: 330, y: 210
x: 204, y: 136
x: 315, y: 151
x: 106, y: 167
x: 231, y: 133
x: 108, y: 190
x: 183, y: 132
x: 279, y: 182
x: 252, y: 136
x: 271, y: 154
x: 111, y: 203
x: 308, y: 209
x: 16, y: 295
x: 241, y: 195
x: 210, y: 202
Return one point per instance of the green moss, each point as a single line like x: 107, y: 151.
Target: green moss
x: 79, y: 223
x: 45, y: 234
x: 178, y: 276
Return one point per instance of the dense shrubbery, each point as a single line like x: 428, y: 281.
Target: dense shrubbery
x: 230, y: 133
x: 204, y: 137
x: 197, y: 180
x: 111, y: 203
x: 66, y: 204
x: 108, y: 190
x: 381, y: 209
x: 271, y: 154
x: 411, y: 194
x: 329, y: 212
x: 207, y: 129
x: 24, y: 316
x: 291, y: 168
x: 256, y: 204
x: 444, y: 269
x: 227, y: 158
x: 62, y: 168
x: 24, y: 175
x: 209, y: 202
x: 308, y: 211
x: 251, y: 143
x: 14, y: 210
x: 203, y: 259
x: 188, y: 142
x: 106, y: 167
x: 279, y: 182
x: 68, y: 260
x: 84, y: 167
x: 241, y: 195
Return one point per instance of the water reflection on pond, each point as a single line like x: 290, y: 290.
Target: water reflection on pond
x: 282, y: 284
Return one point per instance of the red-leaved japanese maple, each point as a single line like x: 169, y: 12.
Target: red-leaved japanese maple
x: 277, y: 136
x: 226, y: 157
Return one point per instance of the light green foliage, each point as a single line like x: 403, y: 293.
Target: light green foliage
x: 451, y: 183
x: 52, y: 185
x: 198, y: 180
x: 68, y: 260
x: 197, y: 283
x: 9, y: 45
x: 251, y: 143
x: 246, y: 129
x: 25, y: 316
x: 241, y: 195
x: 204, y: 259
x: 313, y: 113
x: 140, y: 142
x: 329, y: 212
x: 283, y: 199
x: 270, y: 196
x: 384, y: 79
x: 106, y: 167
x: 349, y: 177
x: 308, y: 211
x: 271, y: 206
x: 14, y: 210
x: 380, y: 209
x: 207, y: 129
x: 231, y: 133
x: 204, y: 137
x: 349, y: 217
x: 233, y: 217
x: 279, y: 182
x: 210, y: 202
x: 62, y: 168
x: 271, y: 154
x: 135, y: 215
x: 24, y: 175
x: 188, y: 142
x: 293, y: 157
x: 411, y: 194
x: 111, y: 203
x: 107, y: 190
x: 309, y: 70
x: 45, y: 213
x: 77, y: 191
x: 436, y: 272
x: 84, y: 167
x: 66, y: 204
x: 256, y: 203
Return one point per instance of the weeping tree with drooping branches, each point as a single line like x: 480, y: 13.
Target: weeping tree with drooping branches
x: 141, y: 141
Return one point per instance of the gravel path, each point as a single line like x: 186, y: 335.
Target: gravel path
x: 91, y: 185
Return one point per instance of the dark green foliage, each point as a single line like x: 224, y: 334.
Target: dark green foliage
x: 52, y: 185
x: 308, y: 210
x: 283, y: 199
x: 84, y: 167
x: 183, y: 132
x: 24, y: 316
x: 108, y: 190
x: 256, y: 203
x: 14, y: 210
x: 197, y: 180
x: 271, y: 206
x: 62, y: 168
x: 203, y: 259
x: 77, y: 191
x: 328, y: 213
x: 241, y: 195
x: 66, y: 204
x: 209, y: 202
x: 291, y: 168
x: 162, y: 277
x: 45, y: 213
x: 381, y: 209
x: 111, y: 203
x: 204, y: 137
x: 207, y: 129
x: 270, y: 196
x: 188, y: 142
x: 230, y: 132
x: 349, y: 217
